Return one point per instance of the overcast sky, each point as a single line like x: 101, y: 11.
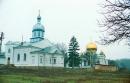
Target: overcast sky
x: 62, y: 19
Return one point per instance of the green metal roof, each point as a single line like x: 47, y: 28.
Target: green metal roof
x: 49, y: 50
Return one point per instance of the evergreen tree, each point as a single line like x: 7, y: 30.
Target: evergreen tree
x: 74, y: 59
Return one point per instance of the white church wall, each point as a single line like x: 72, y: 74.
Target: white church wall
x: 2, y: 61
x: 103, y: 61
x: 9, y: 53
x: 21, y: 61
x: 48, y: 60
x: 34, y: 60
x: 59, y: 60
x: 106, y: 61
x: 21, y: 51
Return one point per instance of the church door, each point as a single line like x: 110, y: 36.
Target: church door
x: 8, y: 60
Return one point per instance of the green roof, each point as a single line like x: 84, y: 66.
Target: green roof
x: 49, y: 50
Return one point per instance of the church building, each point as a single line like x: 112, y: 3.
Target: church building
x: 91, y: 58
x: 38, y: 52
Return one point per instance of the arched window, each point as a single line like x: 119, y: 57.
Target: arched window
x: 54, y: 61
x: 25, y: 56
x: 9, y: 50
x: 41, y: 59
x: 41, y: 34
x: 35, y: 34
x: 18, y: 57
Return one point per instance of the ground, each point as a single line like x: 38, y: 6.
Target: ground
x: 61, y: 75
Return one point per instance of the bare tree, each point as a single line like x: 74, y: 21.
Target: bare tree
x: 116, y: 21
x: 62, y: 47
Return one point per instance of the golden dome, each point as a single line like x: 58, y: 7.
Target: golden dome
x: 92, y: 45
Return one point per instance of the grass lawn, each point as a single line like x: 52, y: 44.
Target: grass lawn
x: 59, y: 75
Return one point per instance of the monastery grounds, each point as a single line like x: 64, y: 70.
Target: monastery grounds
x: 61, y: 75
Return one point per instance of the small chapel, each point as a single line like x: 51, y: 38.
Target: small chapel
x: 38, y: 52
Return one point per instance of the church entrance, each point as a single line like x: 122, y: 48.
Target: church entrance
x: 8, y: 60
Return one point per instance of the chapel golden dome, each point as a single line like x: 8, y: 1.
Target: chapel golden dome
x: 91, y: 45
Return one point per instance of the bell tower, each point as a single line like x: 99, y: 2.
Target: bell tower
x: 38, y: 31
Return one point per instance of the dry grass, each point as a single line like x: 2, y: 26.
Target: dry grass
x: 60, y: 75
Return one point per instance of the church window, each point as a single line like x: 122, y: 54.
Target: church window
x: 18, y: 57
x: 9, y: 50
x: 25, y: 56
x: 38, y: 33
x: 42, y: 34
x: 53, y: 60
x: 34, y: 34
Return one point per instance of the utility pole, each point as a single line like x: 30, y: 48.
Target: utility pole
x: 1, y: 39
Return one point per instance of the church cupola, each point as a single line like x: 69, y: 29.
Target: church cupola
x: 38, y: 31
